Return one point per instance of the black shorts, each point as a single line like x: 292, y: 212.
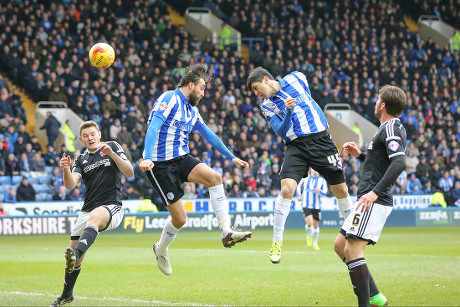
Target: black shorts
x: 315, y: 212
x: 317, y: 151
x: 167, y: 177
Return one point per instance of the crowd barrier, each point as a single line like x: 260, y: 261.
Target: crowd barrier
x: 205, y: 221
x: 202, y: 205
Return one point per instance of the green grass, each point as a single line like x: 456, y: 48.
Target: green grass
x: 411, y: 266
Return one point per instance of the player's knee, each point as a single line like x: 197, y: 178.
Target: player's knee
x: 179, y: 221
x: 215, y: 179
x: 287, y: 192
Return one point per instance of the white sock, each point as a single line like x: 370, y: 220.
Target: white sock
x: 345, y: 206
x: 282, y: 208
x: 315, y: 233
x: 167, y: 236
x: 219, y: 204
x: 308, y: 229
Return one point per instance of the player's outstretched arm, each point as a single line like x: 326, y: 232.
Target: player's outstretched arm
x: 214, y: 140
x: 70, y: 180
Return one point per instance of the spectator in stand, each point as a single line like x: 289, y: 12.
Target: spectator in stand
x: 69, y: 135
x: 51, y: 157
x: 56, y: 179
x: 25, y: 191
x: 37, y: 164
x: 411, y: 162
x: 24, y: 164
x: 11, y: 166
x: 5, y: 105
x: 76, y: 195
x: 423, y: 170
x: 446, y: 182
x: 61, y: 194
x: 455, y: 194
x: 435, y: 175
x: 52, y: 126
x: 10, y: 195
x: 412, y: 183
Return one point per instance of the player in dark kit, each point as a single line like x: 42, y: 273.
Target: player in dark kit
x: 383, y: 164
x: 100, y: 167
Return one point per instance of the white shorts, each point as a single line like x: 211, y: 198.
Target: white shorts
x: 366, y: 225
x: 116, y: 216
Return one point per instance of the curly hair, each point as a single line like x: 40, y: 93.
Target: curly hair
x: 193, y: 73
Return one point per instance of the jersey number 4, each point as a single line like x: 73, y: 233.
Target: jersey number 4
x: 335, y: 160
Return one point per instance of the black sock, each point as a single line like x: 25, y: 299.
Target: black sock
x: 359, y: 275
x: 69, y: 282
x: 372, y: 286
x: 86, y: 240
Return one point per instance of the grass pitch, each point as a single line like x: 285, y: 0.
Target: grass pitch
x: 411, y: 266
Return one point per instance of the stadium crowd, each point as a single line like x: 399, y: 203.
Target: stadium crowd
x: 347, y: 50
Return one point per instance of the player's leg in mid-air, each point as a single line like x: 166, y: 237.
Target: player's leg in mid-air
x: 167, y: 178
x: 213, y: 180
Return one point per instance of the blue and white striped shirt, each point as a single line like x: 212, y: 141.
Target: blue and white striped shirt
x: 307, y: 117
x: 306, y: 188
x: 180, y: 119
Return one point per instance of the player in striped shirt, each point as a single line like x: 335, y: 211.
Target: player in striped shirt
x: 310, y: 190
x: 168, y: 163
x: 298, y: 119
x: 384, y: 162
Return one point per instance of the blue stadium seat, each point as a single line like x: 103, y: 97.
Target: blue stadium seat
x: 44, y: 179
x: 2, y: 197
x: 41, y: 196
x: 33, y: 179
x: 17, y: 180
x: 5, y: 180
x: 41, y: 188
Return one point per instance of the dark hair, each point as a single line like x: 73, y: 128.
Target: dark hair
x: 394, y: 99
x: 257, y: 75
x: 193, y: 73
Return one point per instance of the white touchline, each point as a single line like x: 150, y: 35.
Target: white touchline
x: 115, y: 299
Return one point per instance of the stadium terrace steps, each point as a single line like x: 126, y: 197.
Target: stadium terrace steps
x: 29, y: 106
x: 176, y: 18
x: 411, y: 24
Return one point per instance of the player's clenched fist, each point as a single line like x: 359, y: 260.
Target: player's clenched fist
x: 106, y: 149
x: 146, y: 165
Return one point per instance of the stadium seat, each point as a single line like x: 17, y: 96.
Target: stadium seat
x: 41, y: 197
x: 44, y: 179
x: 17, y: 180
x: 5, y: 180
x: 41, y: 188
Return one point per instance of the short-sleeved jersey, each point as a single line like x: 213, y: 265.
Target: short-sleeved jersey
x: 306, y: 188
x: 388, y: 142
x: 101, y: 176
x: 180, y: 118
x: 307, y: 116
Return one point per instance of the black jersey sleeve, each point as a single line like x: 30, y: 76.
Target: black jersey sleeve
x: 397, y: 165
x: 118, y: 150
x: 395, y: 141
x: 77, y: 168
